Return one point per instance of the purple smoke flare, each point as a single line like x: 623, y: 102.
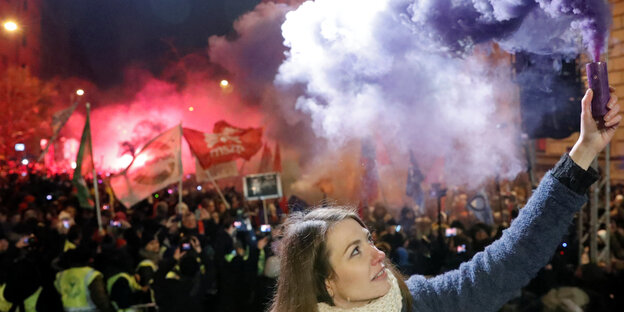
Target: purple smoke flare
x: 458, y: 26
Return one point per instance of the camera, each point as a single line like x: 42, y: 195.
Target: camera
x: 29, y: 240
x: 115, y: 223
x: 186, y: 247
x: 238, y: 225
x: 66, y: 224
x: 265, y: 228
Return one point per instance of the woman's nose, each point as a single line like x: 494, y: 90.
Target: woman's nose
x: 378, y: 255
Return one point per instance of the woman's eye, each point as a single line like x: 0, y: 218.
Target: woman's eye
x: 355, y: 251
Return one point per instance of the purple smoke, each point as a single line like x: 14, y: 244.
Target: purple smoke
x: 456, y: 27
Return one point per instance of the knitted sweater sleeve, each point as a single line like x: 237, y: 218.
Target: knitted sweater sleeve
x: 495, y: 275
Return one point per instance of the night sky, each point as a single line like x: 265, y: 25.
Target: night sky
x: 96, y: 39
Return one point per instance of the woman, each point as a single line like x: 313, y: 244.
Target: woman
x: 329, y: 263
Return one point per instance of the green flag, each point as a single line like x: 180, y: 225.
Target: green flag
x: 84, y: 167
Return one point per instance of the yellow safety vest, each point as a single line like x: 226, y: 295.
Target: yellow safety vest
x: 147, y: 263
x: 68, y: 246
x: 30, y: 304
x: 4, y: 305
x: 73, y: 285
x: 134, y: 286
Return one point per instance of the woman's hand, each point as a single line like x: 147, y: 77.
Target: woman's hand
x: 593, y: 139
x: 196, y: 245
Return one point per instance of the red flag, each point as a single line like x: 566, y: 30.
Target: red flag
x: 226, y: 143
x: 277, y: 161
x: 265, y: 161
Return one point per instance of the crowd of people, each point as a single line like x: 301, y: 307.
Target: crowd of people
x: 205, y: 254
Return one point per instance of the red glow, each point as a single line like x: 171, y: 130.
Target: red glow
x: 156, y: 107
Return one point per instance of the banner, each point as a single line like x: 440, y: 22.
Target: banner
x: 480, y: 207
x: 59, y: 119
x: 262, y: 186
x: 84, y: 167
x: 226, y: 143
x: 218, y: 171
x: 158, y: 164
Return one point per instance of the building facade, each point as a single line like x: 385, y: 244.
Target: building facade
x: 21, y: 46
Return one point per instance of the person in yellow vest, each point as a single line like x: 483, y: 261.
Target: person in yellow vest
x: 123, y: 289
x: 81, y: 287
x: 150, y: 255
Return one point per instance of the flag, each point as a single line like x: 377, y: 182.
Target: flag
x: 59, y: 119
x: 217, y: 171
x: 435, y: 174
x: 370, y: 187
x: 84, y: 166
x: 277, y: 161
x: 226, y: 143
x: 265, y: 161
x: 158, y: 164
x: 480, y: 206
x: 413, y: 188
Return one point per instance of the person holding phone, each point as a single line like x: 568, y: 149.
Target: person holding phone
x: 329, y: 261
x: 180, y: 283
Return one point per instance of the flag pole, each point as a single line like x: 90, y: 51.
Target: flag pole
x: 218, y: 189
x: 181, y: 169
x: 96, y: 192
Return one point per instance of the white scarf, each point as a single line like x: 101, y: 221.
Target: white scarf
x: 390, y: 302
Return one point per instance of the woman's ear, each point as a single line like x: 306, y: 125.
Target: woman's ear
x: 329, y: 286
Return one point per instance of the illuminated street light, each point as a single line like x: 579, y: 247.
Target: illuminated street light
x: 224, y: 83
x: 10, y: 26
x: 80, y: 92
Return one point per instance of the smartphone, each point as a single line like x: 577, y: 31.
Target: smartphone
x: 451, y: 232
x: 461, y: 248
x: 398, y: 228
x: 28, y: 240
x: 66, y: 224
x: 115, y: 223
x: 265, y: 228
x: 186, y: 246
x: 238, y: 224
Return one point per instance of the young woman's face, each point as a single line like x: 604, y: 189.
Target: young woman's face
x: 360, y: 274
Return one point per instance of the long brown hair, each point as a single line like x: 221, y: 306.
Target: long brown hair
x: 304, y: 261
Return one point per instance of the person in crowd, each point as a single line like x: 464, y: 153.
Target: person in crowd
x: 122, y: 287
x: 81, y: 287
x: 407, y: 220
x: 329, y: 262
x: 179, y: 284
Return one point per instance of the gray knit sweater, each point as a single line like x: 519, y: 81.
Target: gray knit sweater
x: 495, y: 275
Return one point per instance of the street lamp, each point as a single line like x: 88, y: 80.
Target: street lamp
x: 10, y: 26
